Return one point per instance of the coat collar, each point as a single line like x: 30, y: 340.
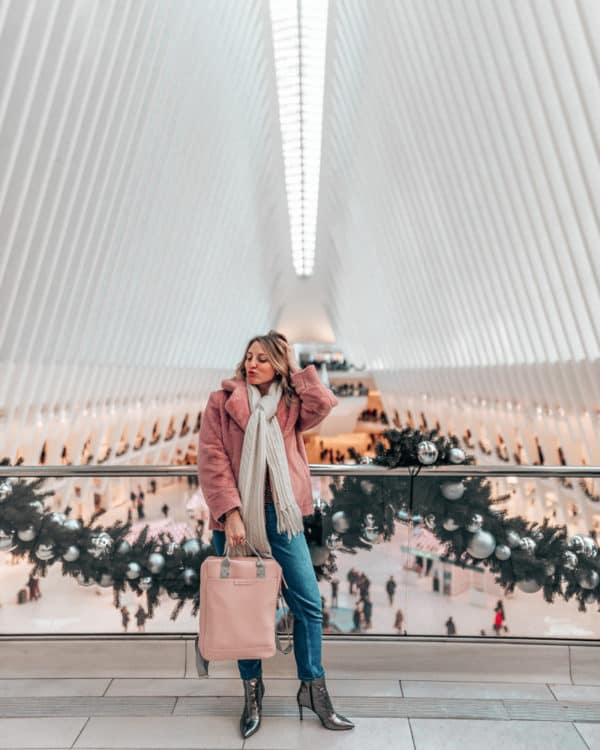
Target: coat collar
x: 238, y: 408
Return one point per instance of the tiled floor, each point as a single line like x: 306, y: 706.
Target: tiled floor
x: 142, y: 693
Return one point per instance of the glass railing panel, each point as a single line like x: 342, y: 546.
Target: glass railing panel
x: 389, y: 559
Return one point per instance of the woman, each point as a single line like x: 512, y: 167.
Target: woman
x: 254, y: 474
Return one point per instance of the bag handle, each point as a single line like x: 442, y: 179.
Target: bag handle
x: 226, y: 562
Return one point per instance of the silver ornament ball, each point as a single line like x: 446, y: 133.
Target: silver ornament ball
x: 100, y: 545
x: 45, y: 552
x: 145, y: 583
x: 513, y: 539
x: 340, y: 522
x: 83, y: 581
x: 450, y: 524
x: 570, y: 560
x: 134, y: 570
x: 26, y: 535
x: 452, y: 490
x: 71, y: 553
x: 106, y: 580
x: 72, y: 524
x: 577, y: 544
x: 427, y: 452
x: 58, y: 518
x: 191, y: 547
x: 475, y: 523
x: 333, y: 542
x: 529, y: 585
x: 189, y: 576
x: 502, y: 552
x: 590, y: 550
x: 482, y: 544
x: 123, y: 548
x: 156, y: 562
x: 527, y: 545
x: 456, y: 456
x: 588, y: 579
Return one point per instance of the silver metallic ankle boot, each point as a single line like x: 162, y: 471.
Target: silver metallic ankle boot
x: 313, y: 694
x: 254, y: 690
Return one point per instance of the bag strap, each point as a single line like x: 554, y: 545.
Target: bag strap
x: 226, y: 562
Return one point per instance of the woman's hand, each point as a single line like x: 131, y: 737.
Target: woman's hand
x: 291, y: 355
x: 235, y: 531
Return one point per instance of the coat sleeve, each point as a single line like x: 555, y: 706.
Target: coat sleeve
x: 316, y: 400
x: 215, y: 473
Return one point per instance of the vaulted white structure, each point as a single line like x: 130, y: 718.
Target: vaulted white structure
x: 145, y: 231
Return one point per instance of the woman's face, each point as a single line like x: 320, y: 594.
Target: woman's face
x: 258, y: 368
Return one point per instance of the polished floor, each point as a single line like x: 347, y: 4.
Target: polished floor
x: 142, y: 692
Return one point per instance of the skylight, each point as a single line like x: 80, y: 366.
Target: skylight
x: 299, y: 40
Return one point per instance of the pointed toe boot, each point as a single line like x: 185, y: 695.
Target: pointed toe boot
x: 254, y: 690
x: 313, y: 694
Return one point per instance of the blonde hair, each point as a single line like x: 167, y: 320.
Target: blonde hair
x: 275, y: 346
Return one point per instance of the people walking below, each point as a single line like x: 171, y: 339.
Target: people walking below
x: 125, y: 617
x: 255, y: 478
x: 140, y: 508
x: 390, y: 587
x: 33, y: 586
x: 399, y: 622
x: 450, y: 626
x: 165, y: 510
x: 352, y: 577
x: 140, y: 618
x: 367, y: 608
x: 356, y: 618
x: 499, y: 618
x: 436, y: 581
x: 335, y: 584
x: 363, y: 586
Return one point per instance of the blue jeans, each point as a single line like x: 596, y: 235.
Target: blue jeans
x: 301, y: 594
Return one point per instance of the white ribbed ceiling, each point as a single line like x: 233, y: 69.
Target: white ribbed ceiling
x: 144, y: 227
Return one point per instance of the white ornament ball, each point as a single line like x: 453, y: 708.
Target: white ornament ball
x: 456, y: 455
x: 191, y: 547
x: 72, y: 524
x: 529, y: 585
x: 124, y: 547
x: 189, y: 576
x: 502, y: 552
x: 340, y: 522
x: 452, y: 490
x: 577, y: 544
x: 482, y: 544
x: 427, y: 452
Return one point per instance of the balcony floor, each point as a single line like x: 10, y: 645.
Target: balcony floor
x: 142, y: 692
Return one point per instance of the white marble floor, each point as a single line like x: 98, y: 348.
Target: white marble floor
x: 142, y: 692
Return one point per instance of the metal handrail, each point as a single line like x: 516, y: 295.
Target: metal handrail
x: 317, y: 470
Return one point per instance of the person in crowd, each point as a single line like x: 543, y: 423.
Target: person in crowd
x: 399, y: 621
x: 243, y: 422
x: 352, y: 577
x: 367, y: 610
x: 200, y: 528
x: 363, y: 585
x: 450, y: 626
x: 357, y: 618
x: 390, y: 587
x: 140, y: 618
x: 125, y: 617
x: 419, y: 564
x: 499, y: 618
x: 428, y: 565
x: 140, y: 508
x: 31, y: 585
x: 436, y: 581
x: 165, y: 510
x: 335, y: 584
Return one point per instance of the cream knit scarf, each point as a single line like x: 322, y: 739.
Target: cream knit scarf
x: 263, y: 446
